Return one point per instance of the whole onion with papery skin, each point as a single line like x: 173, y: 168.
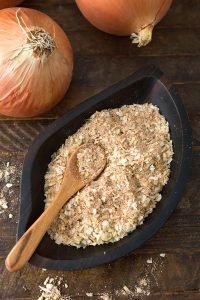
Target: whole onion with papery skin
x: 36, y: 62
x: 9, y: 3
x: 125, y: 17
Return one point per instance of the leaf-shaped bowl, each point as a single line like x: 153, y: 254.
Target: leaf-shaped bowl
x: 146, y: 85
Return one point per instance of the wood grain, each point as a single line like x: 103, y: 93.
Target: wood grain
x: 101, y: 60
x: 164, y: 43
x: 166, y: 276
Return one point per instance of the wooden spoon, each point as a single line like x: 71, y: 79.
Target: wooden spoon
x: 71, y: 184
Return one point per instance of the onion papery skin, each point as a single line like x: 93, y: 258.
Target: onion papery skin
x: 9, y: 3
x: 125, y: 17
x: 31, y: 81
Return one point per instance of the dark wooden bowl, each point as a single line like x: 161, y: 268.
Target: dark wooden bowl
x: 147, y: 85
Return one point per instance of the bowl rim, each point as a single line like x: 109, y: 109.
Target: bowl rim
x: 127, y: 247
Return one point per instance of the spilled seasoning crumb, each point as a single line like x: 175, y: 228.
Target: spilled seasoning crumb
x: 143, y: 285
x: 90, y: 160
x: 7, y: 176
x: 89, y: 294
x: 138, y: 149
x: 50, y: 290
x: 162, y: 254
x: 149, y: 261
x: 106, y: 296
x: 127, y: 291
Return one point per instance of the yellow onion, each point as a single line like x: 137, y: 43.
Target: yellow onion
x: 125, y: 17
x: 9, y: 3
x: 36, y: 62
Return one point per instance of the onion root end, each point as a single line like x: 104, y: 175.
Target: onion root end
x: 143, y: 37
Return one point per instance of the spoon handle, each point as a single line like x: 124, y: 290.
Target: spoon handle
x: 26, y: 245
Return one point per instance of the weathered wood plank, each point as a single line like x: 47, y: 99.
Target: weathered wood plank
x: 17, y: 136
x: 106, y: 70
x: 164, y: 276
x: 164, y: 43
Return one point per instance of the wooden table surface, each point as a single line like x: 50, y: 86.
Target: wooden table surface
x: 101, y: 60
